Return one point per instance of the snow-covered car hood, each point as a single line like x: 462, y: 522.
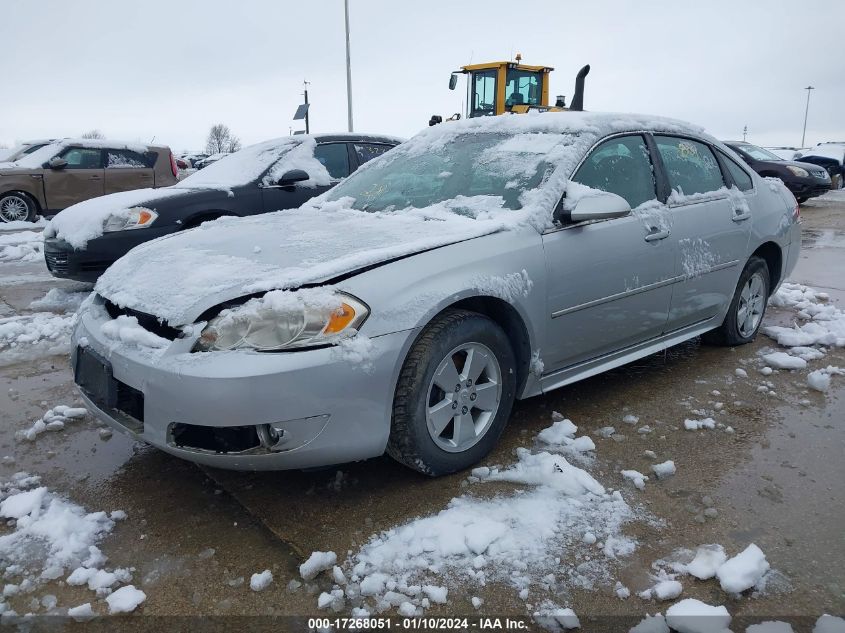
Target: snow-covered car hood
x: 180, y: 276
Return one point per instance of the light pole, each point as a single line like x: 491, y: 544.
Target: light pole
x: 744, y: 132
x: 806, y: 111
x: 348, y: 67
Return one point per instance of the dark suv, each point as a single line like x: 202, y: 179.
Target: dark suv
x: 85, y: 239
x: 804, y: 180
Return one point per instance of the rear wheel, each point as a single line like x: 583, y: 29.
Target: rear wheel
x: 747, y: 308
x: 17, y: 207
x: 454, y: 394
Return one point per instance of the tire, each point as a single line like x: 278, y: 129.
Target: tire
x: 481, y: 409
x: 740, y: 326
x: 17, y: 206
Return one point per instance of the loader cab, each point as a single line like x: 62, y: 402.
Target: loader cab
x: 499, y: 87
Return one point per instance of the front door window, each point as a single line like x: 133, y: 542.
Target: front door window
x: 483, y: 101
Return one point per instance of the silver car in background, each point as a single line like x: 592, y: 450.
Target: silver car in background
x: 404, y: 311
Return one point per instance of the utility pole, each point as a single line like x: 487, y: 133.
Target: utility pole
x: 307, y: 126
x: 744, y: 133
x: 348, y: 68
x: 806, y: 111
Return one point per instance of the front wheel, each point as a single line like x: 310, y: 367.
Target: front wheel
x: 16, y: 207
x: 747, y: 308
x: 454, y: 395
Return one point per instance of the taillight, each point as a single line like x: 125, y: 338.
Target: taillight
x: 173, y: 166
x: 796, y: 212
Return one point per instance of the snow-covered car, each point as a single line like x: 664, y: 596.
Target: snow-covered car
x: 85, y: 239
x: 404, y: 310
x: 829, y: 155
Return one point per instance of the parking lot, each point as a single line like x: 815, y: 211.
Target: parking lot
x: 768, y: 473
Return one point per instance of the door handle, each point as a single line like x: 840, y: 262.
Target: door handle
x: 656, y: 234
x: 93, y: 178
x: 740, y: 217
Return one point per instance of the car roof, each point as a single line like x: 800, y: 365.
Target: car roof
x: 352, y: 137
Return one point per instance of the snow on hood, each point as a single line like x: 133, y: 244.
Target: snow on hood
x: 178, y: 277
x: 84, y: 221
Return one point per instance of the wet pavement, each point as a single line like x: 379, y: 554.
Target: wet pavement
x: 194, y: 536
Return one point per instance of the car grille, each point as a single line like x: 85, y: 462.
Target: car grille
x: 56, y: 262
x: 149, y: 322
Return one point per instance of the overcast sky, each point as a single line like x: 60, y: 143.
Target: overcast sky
x: 170, y: 69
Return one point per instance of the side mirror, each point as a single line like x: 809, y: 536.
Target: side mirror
x: 602, y: 205
x: 290, y: 178
x: 453, y: 81
x: 56, y: 163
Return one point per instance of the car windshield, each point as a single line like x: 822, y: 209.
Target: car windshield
x: 759, y: 153
x: 466, y: 165
x: 241, y: 168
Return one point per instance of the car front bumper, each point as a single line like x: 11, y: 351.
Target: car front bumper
x: 327, y: 408
x: 808, y: 187
x: 89, y: 263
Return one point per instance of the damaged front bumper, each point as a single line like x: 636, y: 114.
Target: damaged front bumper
x: 240, y: 410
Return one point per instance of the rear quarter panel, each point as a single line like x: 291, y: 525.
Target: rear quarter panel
x: 774, y: 220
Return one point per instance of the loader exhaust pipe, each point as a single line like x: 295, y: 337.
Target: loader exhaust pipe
x: 578, y: 98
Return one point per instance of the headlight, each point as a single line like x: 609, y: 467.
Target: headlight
x: 798, y: 171
x: 134, y: 218
x: 284, y: 319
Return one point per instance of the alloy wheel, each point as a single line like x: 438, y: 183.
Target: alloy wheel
x: 463, y: 397
x: 13, y: 208
x: 752, y: 302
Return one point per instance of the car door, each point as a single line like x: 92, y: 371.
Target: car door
x: 81, y: 179
x: 126, y: 170
x: 333, y: 156
x: 609, y: 282
x: 711, y: 229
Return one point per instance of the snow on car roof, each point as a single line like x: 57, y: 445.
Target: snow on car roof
x: 43, y: 154
x: 825, y: 150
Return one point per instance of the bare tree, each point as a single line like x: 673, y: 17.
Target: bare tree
x: 95, y: 134
x: 221, y: 139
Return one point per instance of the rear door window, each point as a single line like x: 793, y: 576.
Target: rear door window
x: 368, y: 151
x: 125, y: 159
x: 738, y: 174
x: 335, y: 158
x: 83, y: 158
x: 620, y: 165
x: 690, y: 166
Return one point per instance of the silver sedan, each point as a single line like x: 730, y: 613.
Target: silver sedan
x: 404, y: 311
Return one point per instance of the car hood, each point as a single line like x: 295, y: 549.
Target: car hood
x: 180, y: 276
x: 84, y: 221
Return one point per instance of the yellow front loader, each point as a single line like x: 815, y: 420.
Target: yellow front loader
x: 498, y: 87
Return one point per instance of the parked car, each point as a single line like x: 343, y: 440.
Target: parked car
x: 483, y: 261
x: 831, y: 156
x: 786, y: 153
x: 27, y: 147
x: 209, y: 160
x: 83, y: 240
x: 804, y: 180
x: 181, y: 163
x: 193, y: 159
x: 62, y: 173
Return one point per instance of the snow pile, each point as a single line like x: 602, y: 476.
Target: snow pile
x: 636, y: 477
x: 824, y: 322
x: 519, y: 538
x: 18, y: 225
x: 562, y: 434
x: 666, y: 469
x: 743, y: 571
x: 554, y: 618
x: 30, y: 336
x: 708, y: 559
x: 125, y: 599
x: 820, y: 378
x: 60, y: 300
x: 770, y: 626
x: 693, y: 616
x: 24, y: 246
x: 664, y: 589
x: 260, y: 581
x: 53, y: 420
x: 782, y: 360
x: 829, y: 624
x: 50, y: 535
x: 126, y: 329
x: 316, y: 563
x: 695, y: 425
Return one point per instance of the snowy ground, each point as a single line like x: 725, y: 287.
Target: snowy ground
x: 703, y: 489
